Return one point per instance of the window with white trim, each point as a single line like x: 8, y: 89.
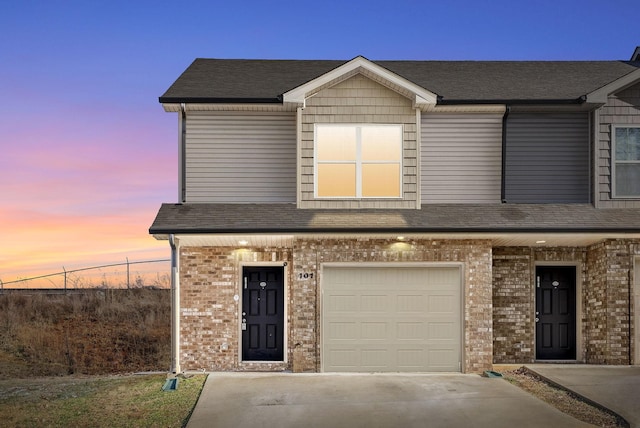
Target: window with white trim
x: 626, y: 161
x: 358, y: 161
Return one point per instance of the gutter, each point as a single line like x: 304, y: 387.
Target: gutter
x: 225, y: 100
x: 182, y: 153
x: 564, y: 101
x: 394, y: 230
x: 175, y: 307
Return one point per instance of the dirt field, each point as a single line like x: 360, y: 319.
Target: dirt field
x: 53, y: 343
x: 96, y: 332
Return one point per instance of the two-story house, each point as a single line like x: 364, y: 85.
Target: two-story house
x: 409, y: 216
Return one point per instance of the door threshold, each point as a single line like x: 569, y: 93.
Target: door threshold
x: 557, y: 362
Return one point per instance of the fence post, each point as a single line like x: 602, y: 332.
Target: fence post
x: 65, y: 280
x: 128, y: 283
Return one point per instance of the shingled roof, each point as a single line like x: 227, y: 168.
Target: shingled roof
x: 265, y: 81
x: 463, y: 218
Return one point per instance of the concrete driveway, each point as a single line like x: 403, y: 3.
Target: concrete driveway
x: 614, y: 387
x: 369, y: 400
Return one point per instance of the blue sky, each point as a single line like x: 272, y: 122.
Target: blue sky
x: 88, y: 154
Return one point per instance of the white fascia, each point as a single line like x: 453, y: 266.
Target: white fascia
x: 423, y: 98
x: 599, y: 96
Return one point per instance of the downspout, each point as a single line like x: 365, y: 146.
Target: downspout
x: 175, y: 307
x: 182, y: 196
x: 503, y: 178
x: 630, y: 298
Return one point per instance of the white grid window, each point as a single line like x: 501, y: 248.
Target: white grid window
x: 626, y: 161
x: 358, y: 161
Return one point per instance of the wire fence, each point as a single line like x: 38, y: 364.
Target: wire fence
x: 139, y: 274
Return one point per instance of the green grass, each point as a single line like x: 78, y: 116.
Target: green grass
x: 128, y: 401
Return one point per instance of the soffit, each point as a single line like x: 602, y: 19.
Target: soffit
x: 538, y: 240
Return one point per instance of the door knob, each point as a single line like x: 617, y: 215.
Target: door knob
x: 537, y: 319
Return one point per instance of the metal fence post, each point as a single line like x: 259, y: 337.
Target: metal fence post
x: 65, y: 280
x: 128, y: 282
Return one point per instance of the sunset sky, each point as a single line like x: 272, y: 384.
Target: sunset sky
x: 87, y: 152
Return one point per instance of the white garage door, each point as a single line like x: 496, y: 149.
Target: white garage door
x: 391, y: 319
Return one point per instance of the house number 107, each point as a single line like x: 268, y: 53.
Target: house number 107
x: 305, y: 275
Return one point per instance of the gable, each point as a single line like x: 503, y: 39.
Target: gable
x: 420, y: 96
x: 358, y: 100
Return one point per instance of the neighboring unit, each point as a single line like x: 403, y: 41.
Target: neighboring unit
x: 404, y: 216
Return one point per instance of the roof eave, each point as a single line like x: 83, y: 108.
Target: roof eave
x: 523, y: 101
x: 366, y: 230
x: 199, y: 100
x: 600, y: 96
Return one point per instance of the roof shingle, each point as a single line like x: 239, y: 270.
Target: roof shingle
x: 287, y: 218
x: 238, y: 80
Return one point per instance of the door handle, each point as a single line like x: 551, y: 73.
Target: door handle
x: 537, y: 319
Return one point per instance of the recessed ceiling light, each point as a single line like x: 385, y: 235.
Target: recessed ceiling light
x: 401, y: 238
x: 243, y: 242
x: 541, y: 242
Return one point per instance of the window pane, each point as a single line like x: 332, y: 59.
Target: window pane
x: 336, y: 143
x: 336, y: 180
x: 628, y: 179
x: 381, y: 143
x: 627, y: 144
x: 381, y: 180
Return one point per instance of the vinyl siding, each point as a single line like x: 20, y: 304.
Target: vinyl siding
x: 461, y: 158
x: 622, y: 108
x: 240, y: 157
x: 359, y: 100
x: 547, y: 158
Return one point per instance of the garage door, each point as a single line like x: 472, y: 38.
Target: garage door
x: 391, y: 319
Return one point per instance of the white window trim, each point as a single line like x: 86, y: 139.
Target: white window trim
x: 358, y: 162
x: 614, y: 162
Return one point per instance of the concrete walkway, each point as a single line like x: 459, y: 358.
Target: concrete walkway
x: 614, y: 387
x: 369, y: 400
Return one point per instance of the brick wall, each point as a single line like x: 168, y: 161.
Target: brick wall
x: 605, y: 269
x: 607, y: 311
x: 499, y: 302
x: 209, y: 279
x: 514, y: 298
x: 309, y: 254
x: 513, y: 306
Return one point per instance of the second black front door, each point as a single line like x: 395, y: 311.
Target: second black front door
x: 555, y: 312
x: 263, y: 313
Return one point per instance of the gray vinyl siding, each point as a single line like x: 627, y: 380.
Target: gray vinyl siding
x: 622, y: 109
x: 461, y: 158
x: 240, y: 157
x: 547, y: 158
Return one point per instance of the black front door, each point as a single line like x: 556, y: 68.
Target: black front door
x: 263, y: 313
x: 555, y: 313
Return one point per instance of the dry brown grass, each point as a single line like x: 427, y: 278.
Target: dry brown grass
x: 95, y: 332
